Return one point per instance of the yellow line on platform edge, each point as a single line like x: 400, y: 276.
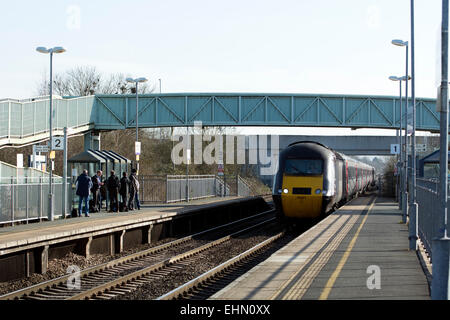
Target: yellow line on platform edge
x: 326, y: 291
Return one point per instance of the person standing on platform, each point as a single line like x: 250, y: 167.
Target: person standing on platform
x: 96, y: 198
x: 83, y: 185
x: 113, y: 185
x: 134, y: 191
x: 124, y: 182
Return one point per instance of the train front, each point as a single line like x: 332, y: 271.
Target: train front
x: 304, y: 183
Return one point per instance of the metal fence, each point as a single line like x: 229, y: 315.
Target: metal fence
x: 172, y: 188
x: 429, y: 210
x: 10, y: 173
x: 26, y: 198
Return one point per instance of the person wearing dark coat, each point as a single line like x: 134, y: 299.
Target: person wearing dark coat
x: 96, y: 185
x: 113, y: 186
x: 83, y: 185
x: 124, y: 183
x: 134, y: 188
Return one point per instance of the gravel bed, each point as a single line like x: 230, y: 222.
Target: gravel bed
x: 58, y: 267
x: 203, y: 263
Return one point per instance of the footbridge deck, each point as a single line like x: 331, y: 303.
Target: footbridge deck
x: 28, y: 122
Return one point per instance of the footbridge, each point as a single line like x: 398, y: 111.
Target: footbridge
x: 25, y: 122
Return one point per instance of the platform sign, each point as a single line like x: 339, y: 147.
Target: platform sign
x: 19, y: 160
x: 395, y: 148
x: 220, y: 169
x: 421, y: 147
x: 57, y: 143
x: 40, y: 148
x: 137, y: 148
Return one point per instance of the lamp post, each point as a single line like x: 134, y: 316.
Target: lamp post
x: 405, y: 44
x: 50, y: 184
x: 159, y: 85
x: 136, y: 81
x: 400, y: 203
x: 413, y: 207
x: 440, y: 284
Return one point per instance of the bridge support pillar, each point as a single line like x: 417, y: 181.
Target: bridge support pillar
x: 92, y: 140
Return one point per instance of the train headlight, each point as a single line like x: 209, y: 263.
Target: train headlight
x: 318, y: 191
x: 285, y: 191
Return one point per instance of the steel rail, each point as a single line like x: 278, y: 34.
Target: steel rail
x: 113, y: 263
x: 178, y: 292
x: 125, y: 280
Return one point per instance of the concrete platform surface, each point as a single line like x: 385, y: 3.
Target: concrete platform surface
x: 358, y: 252
x: 26, y: 234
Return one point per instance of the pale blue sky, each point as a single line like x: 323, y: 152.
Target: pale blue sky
x: 323, y: 46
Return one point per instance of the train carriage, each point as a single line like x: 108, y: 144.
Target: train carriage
x: 312, y: 179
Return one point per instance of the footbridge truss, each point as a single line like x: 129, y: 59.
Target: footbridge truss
x: 28, y: 122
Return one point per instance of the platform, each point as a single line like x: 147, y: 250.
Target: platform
x: 358, y: 252
x: 34, y: 232
x: 25, y: 249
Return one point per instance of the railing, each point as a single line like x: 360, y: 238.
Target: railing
x: 429, y: 210
x: 197, y: 186
x: 243, y: 187
x: 10, y: 173
x: 26, y: 198
x: 172, y: 188
x: 30, y: 118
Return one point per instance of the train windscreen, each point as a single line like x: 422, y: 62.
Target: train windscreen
x: 303, y: 167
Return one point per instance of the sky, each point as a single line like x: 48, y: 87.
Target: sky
x: 283, y: 46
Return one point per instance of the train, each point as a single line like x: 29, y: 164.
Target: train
x: 313, y: 179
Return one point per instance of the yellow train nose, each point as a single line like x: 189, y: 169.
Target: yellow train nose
x: 299, y: 198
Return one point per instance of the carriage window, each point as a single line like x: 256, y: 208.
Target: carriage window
x: 301, y: 167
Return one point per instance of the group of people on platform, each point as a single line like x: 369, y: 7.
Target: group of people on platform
x: 126, y: 187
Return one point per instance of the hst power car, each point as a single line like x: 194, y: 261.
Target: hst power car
x: 312, y: 179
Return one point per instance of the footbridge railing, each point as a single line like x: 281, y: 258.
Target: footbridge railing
x: 28, y: 121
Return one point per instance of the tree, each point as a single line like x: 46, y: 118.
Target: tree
x: 87, y: 80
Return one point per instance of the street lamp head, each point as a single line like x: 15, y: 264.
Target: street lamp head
x: 42, y: 50
x: 399, y: 43
x: 394, y: 78
x: 58, y: 50
x: 129, y: 80
x: 52, y: 50
x: 141, y: 79
x: 404, y: 78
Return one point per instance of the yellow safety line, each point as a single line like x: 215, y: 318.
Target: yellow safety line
x: 326, y: 291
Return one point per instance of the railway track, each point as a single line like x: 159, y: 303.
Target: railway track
x: 123, y: 275
x: 219, y: 277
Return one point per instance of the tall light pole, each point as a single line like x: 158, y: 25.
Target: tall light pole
x: 402, y: 173
x: 405, y: 44
x: 413, y: 207
x: 394, y: 78
x: 136, y: 81
x: 50, y: 184
x: 159, y: 85
x: 440, y: 284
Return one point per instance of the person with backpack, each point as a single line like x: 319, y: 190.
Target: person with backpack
x: 134, y: 191
x: 83, y: 185
x: 113, y: 186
